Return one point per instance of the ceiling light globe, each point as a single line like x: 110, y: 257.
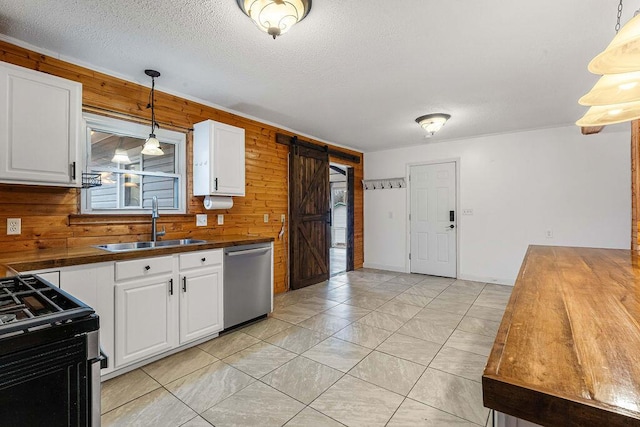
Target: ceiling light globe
x: 614, y: 89
x: 432, y: 123
x: 121, y: 156
x: 602, y: 115
x: 623, y: 53
x: 275, y: 17
x: 152, y: 146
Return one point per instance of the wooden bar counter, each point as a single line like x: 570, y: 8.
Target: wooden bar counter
x: 568, y: 349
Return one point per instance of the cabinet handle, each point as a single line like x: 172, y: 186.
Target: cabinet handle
x: 216, y: 181
x: 73, y: 170
x: 170, y: 286
x: 203, y: 259
x: 184, y: 284
x: 147, y: 267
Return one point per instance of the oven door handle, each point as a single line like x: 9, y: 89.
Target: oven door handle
x: 102, y: 359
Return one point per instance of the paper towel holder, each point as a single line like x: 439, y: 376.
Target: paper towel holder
x: 218, y: 202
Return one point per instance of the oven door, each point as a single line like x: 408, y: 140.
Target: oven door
x: 47, y: 385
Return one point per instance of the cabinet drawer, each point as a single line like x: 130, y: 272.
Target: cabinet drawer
x: 143, y: 267
x: 200, y: 259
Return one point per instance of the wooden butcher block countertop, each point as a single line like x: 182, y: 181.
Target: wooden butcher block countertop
x: 568, y: 349
x: 52, y: 258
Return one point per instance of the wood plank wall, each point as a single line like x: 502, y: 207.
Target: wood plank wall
x: 50, y: 215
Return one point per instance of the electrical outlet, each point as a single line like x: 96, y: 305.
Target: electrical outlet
x: 220, y: 219
x: 201, y: 220
x: 467, y: 212
x: 282, y: 218
x: 549, y: 234
x: 14, y: 226
x: 266, y: 217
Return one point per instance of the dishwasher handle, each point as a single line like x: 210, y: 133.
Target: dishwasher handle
x: 248, y: 251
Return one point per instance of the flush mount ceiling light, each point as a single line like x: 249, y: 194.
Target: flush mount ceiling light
x: 121, y: 155
x: 275, y: 17
x: 432, y: 123
x: 152, y: 145
x: 616, y: 96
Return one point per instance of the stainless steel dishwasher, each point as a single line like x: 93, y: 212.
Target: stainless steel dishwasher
x: 247, y: 283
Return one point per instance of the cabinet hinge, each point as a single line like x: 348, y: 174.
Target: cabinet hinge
x: 409, y: 217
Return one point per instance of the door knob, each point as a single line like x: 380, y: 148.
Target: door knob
x: 452, y: 226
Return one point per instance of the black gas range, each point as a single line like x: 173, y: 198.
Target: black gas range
x: 49, y: 356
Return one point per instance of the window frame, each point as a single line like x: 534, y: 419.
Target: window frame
x: 136, y: 130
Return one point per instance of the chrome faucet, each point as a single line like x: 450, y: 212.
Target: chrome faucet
x: 154, y: 217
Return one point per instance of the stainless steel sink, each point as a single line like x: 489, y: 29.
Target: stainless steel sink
x: 138, y: 246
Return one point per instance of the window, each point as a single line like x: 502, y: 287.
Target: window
x: 130, y: 180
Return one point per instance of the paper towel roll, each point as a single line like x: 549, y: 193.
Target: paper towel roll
x: 217, y: 202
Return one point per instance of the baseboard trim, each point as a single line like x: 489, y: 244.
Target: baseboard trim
x: 395, y: 268
x: 484, y: 279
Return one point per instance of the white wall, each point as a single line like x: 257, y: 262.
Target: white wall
x: 519, y: 185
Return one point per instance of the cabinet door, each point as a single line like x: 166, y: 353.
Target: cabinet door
x: 40, y: 127
x: 93, y: 285
x: 200, y: 304
x: 146, y: 317
x: 228, y: 160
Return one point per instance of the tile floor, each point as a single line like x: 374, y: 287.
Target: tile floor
x: 337, y: 260
x: 366, y: 348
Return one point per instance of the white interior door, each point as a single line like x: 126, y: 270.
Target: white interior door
x: 433, y: 219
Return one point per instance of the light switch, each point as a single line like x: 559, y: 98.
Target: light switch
x: 266, y: 217
x: 220, y: 219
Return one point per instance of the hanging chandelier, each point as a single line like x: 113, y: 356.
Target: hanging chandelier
x: 275, y: 17
x: 615, y: 98
x: 152, y: 145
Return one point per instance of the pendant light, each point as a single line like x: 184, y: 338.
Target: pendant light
x: 432, y: 123
x: 152, y: 145
x: 602, y: 115
x: 275, y: 17
x: 623, y: 53
x: 614, y: 89
x: 615, y: 98
x: 121, y: 155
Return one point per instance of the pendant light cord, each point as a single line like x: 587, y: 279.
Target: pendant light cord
x: 619, y: 16
x: 151, y: 103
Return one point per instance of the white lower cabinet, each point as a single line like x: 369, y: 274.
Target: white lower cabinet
x: 148, y: 306
x: 93, y: 285
x: 146, y: 317
x: 200, y: 295
x: 146, y: 309
x: 164, y: 302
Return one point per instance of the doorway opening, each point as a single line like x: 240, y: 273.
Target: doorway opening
x: 339, y: 218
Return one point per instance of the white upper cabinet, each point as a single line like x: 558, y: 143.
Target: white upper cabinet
x: 218, y: 159
x: 40, y: 128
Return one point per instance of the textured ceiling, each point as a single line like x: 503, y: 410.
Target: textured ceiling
x: 355, y: 73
